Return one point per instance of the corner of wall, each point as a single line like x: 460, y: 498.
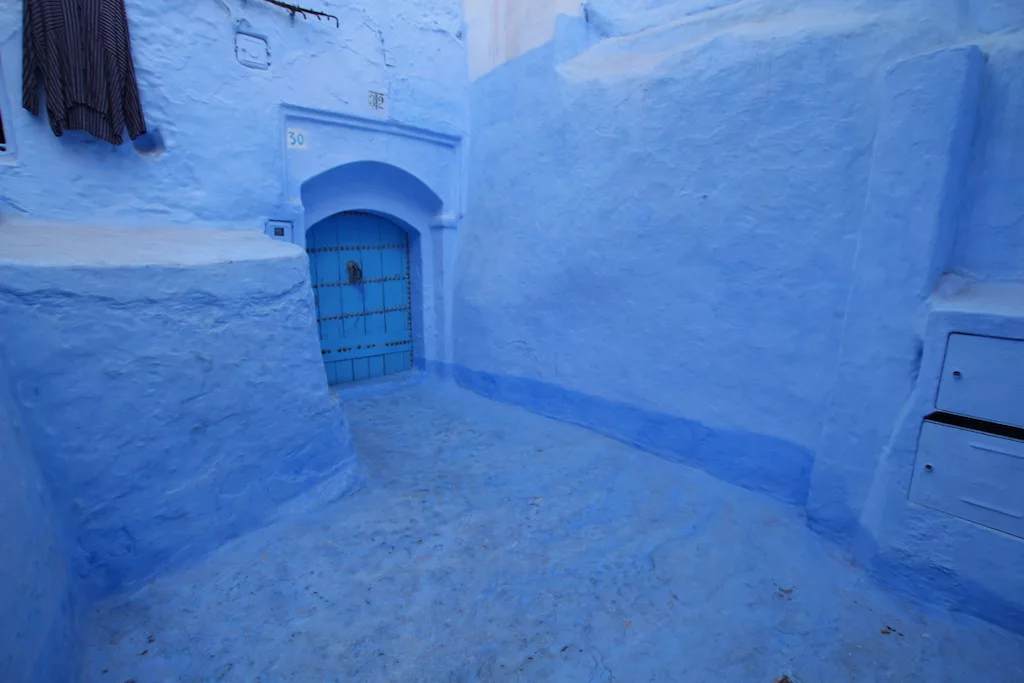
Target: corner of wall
x: 964, y: 67
x: 921, y: 147
x: 39, y: 600
x: 902, y: 309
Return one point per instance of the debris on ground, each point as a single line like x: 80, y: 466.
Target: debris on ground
x: 784, y: 593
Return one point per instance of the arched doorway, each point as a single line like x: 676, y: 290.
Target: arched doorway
x: 359, y: 269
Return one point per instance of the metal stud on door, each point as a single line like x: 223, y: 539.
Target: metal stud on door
x: 359, y: 266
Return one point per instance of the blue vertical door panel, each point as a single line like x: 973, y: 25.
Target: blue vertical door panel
x: 359, y: 268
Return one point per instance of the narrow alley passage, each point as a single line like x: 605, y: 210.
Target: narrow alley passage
x: 492, y: 544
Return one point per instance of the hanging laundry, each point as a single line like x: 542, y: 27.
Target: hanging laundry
x: 81, y: 52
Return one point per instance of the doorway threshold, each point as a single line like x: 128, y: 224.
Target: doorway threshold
x: 376, y: 386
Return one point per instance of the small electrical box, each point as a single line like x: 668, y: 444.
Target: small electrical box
x: 280, y: 230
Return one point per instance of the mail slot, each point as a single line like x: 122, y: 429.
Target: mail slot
x: 972, y: 474
x: 983, y: 377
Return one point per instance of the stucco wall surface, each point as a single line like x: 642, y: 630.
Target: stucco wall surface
x: 36, y: 589
x: 171, y: 386
x: 990, y: 243
x: 223, y: 132
x: 714, y: 229
x: 671, y: 224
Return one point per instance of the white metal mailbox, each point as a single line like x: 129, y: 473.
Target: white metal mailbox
x: 971, y: 474
x: 983, y: 378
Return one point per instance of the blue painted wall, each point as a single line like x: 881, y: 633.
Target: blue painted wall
x: 706, y: 228
x: 221, y: 122
x: 929, y: 106
x: 36, y: 589
x: 171, y: 385
x: 715, y: 229
x: 159, y: 434
x: 942, y: 558
x: 990, y: 243
x: 671, y: 224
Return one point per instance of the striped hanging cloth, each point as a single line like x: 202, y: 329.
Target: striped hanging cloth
x: 80, y: 51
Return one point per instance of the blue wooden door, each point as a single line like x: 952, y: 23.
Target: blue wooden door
x: 359, y: 267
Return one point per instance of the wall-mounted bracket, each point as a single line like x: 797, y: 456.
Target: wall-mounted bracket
x: 295, y: 9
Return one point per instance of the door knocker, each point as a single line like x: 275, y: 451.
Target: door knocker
x: 355, y: 273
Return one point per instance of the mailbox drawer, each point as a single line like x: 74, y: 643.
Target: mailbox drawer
x: 971, y: 474
x: 983, y: 377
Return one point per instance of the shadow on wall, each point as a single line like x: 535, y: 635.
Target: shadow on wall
x: 37, y: 599
x: 757, y: 462
x: 170, y: 385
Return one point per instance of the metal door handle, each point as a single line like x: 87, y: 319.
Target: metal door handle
x: 355, y: 273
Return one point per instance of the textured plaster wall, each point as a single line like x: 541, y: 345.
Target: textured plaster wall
x: 698, y: 227
x: 221, y: 122
x: 35, y: 577
x: 990, y: 245
x: 674, y: 225
x: 900, y: 312
x: 942, y: 558
x: 171, y: 386
x: 171, y: 382
x: 929, y: 108
x: 685, y: 229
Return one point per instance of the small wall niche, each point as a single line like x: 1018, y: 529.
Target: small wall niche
x: 252, y: 51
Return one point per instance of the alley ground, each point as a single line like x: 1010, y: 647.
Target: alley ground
x: 491, y: 544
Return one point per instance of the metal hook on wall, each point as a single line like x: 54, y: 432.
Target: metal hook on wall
x: 295, y: 9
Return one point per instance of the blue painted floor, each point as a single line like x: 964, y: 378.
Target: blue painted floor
x: 491, y: 544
